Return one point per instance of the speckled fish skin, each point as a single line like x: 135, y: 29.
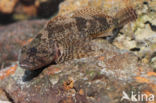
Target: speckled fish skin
x: 68, y: 37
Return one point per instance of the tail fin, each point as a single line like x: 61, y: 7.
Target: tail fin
x: 125, y: 16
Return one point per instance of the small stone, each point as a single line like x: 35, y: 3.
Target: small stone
x: 7, y: 6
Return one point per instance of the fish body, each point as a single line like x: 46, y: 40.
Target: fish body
x: 68, y: 37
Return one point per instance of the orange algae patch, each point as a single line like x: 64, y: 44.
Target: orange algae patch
x: 26, y: 42
x: 101, y: 58
x: 142, y: 80
x: 52, y: 71
x: 149, y: 94
x: 69, y: 84
x: 81, y: 92
x: 151, y: 102
x: 151, y: 74
x: 153, y: 86
x: 5, y: 73
x: 140, y: 70
x: 22, y: 43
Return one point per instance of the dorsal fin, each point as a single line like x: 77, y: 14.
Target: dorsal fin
x: 57, y: 18
x: 87, y: 11
x: 83, y: 12
x: 126, y: 15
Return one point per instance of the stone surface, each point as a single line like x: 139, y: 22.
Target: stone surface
x: 139, y: 36
x: 3, y: 97
x: 102, y: 78
x: 7, y: 6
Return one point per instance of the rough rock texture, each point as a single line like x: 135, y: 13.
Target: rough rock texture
x: 98, y: 79
x: 14, y: 36
x: 3, y: 97
x: 140, y: 36
x: 102, y: 78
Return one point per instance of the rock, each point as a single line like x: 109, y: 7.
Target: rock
x: 101, y: 78
x: 153, y: 61
x: 140, y: 36
x: 7, y: 6
x: 104, y: 77
x: 14, y: 36
x: 3, y: 97
x: 152, y: 5
x: 6, y: 10
x: 48, y: 8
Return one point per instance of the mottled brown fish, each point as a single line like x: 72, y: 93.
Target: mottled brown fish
x: 67, y: 37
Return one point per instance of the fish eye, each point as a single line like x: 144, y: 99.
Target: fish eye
x: 32, y: 51
x: 110, y: 20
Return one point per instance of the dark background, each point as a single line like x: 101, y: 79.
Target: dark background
x: 16, y: 10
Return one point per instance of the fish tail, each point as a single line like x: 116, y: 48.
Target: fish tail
x: 125, y: 16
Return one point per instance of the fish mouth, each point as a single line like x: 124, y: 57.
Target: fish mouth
x: 26, y: 66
